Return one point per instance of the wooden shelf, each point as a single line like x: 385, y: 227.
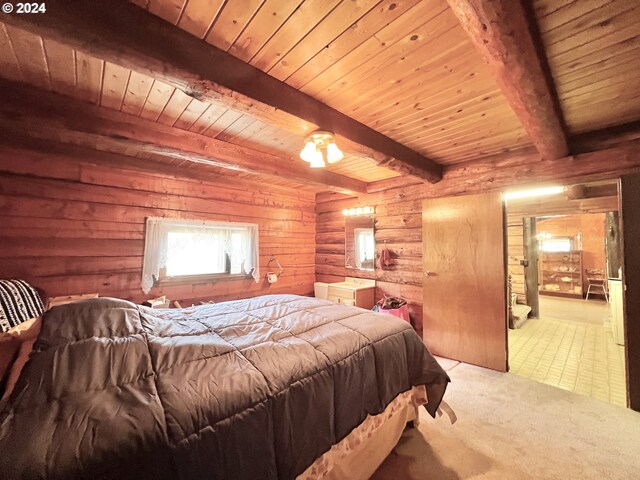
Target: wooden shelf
x: 552, y: 293
x: 549, y: 276
x: 556, y: 272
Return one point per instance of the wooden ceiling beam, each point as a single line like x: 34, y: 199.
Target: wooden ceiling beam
x: 530, y: 169
x: 47, y: 151
x: 583, y: 192
x: 500, y: 173
x: 120, y: 32
x: 562, y: 207
x: 605, y: 138
x: 394, y: 182
x: 501, y: 32
x: 29, y: 111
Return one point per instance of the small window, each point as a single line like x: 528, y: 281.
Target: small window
x: 191, y: 253
x: 189, y: 250
x: 365, y: 247
x: 558, y: 244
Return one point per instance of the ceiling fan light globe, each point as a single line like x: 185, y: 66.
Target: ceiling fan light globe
x: 334, y: 154
x: 308, y: 152
x: 317, y: 161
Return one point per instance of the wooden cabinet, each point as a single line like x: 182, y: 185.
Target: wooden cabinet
x: 561, y: 273
x: 354, y: 292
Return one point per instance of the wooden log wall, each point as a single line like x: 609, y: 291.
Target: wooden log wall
x: 73, y: 227
x: 398, y: 225
x: 398, y: 203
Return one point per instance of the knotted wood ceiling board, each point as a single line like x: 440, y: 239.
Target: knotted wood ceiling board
x: 403, y: 67
x: 53, y: 66
x: 593, y: 51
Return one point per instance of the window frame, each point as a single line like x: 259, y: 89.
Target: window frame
x: 163, y: 279
x: 198, y: 278
x: 358, y: 233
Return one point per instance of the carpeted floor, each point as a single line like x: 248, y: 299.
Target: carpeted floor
x: 513, y: 428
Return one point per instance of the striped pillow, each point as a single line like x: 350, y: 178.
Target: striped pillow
x: 19, y: 302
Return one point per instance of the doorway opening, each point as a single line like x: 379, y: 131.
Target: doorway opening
x: 564, y: 271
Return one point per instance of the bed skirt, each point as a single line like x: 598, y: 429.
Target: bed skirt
x: 360, y: 453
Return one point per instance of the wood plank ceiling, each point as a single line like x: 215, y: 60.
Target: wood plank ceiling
x: 403, y: 67
x: 593, y: 51
x: 53, y: 66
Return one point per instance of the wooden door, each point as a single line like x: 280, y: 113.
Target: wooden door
x: 464, y: 267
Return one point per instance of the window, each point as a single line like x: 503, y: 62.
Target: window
x: 558, y: 244
x: 181, y: 250
x: 364, y: 247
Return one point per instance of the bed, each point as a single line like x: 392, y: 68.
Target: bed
x: 261, y: 388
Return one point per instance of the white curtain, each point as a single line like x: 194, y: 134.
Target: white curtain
x: 156, y: 244
x: 250, y: 251
x: 155, y: 251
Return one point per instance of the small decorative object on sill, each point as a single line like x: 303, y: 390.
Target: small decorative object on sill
x: 160, y: 302
x: 395, y: 306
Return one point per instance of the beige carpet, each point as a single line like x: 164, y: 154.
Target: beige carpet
x: 447, y: 363
x: 512, y: 428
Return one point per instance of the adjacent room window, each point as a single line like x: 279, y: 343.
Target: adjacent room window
x: 178, y: 250
x: 365, y: 247
x: 556, y: 244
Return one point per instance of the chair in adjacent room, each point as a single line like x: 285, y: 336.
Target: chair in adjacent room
x: 597, y: 282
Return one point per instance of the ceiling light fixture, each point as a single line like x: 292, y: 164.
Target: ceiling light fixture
x: 320, y: 147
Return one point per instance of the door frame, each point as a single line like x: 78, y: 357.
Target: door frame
x: 629, y: 218
x: 532, y: 265
x: 629, y: 224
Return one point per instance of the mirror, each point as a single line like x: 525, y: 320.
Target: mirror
x: 359, y: 242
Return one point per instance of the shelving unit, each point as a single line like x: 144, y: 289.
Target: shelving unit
x: 561, y: 273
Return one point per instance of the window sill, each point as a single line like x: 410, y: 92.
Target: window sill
x: 199, y: 279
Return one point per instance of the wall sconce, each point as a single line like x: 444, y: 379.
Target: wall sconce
x: 271, y: 276
x: 347, y: 212
x: 320, y: 147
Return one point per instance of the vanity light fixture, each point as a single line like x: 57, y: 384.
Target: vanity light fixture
x: 358, y: 211
x: 320, y: 147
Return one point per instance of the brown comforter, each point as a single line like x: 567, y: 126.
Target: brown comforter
x: 250, y: 389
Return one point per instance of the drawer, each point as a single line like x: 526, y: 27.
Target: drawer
x: 338, y: 292
x: 342, y: 301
